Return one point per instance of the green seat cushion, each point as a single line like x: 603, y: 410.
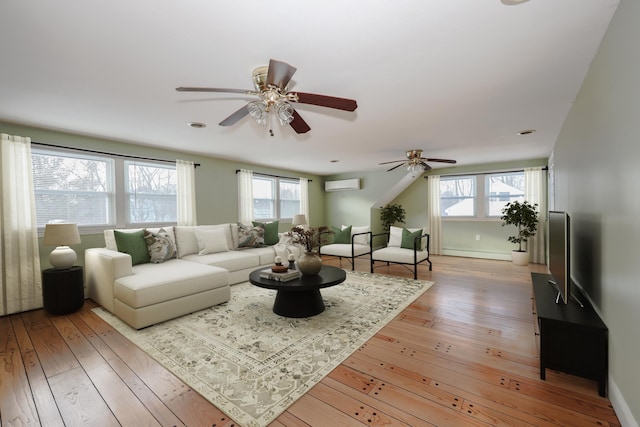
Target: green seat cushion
x: 341, y: 236
x: 133, y: 243
x: 270, y: 231
x: 408, y: 238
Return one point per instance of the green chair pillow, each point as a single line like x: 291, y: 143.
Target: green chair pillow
x: 133, y: 243
x: 408, y: 238
x: 270, y: 231
x: 341, y: 236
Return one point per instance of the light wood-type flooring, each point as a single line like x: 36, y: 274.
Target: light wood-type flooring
x: 463, y: 354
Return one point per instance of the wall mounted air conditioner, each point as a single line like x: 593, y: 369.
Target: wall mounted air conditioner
x: 343, y: 184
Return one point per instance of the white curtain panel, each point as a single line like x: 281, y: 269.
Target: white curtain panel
x: 535, y: 192
x: 433, y: 212
x: 245, y: 196
x: 304, y: 197
x: 20, y: 274
x: 186, y: 193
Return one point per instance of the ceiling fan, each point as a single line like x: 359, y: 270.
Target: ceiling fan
x: 275, y: 100
x: 415, y: 162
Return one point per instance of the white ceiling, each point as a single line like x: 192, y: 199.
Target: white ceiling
x: 456, y: 78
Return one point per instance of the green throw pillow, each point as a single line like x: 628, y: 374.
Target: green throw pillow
x: 341, y: 236
x: 270, y: 231
x: 133, y: 243
x: 408, y: 238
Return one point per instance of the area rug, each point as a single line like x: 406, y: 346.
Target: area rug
x: 252, y: 363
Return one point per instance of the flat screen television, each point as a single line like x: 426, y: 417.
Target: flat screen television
x: 559, y: 254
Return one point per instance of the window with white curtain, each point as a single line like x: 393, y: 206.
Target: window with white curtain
x: 150, y: 192
x: 479, y: 196
x: 275, y: 198
x: 98, y: 191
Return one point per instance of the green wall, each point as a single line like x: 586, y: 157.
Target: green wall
x: 596, y: 175
x: 216, y: 188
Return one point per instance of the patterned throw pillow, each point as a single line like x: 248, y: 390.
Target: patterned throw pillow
x: 159, y: 245
x: 270, y: 231
x: 250, y: 237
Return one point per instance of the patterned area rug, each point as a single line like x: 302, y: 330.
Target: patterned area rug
x: 252, y: 363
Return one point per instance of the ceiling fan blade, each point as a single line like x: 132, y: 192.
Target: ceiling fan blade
x: 326, y: 101
x: 298, y: 124
x: 395, y: 167
x: 233, y: 119
x: 440, y: 160
x: 392, y: 161
x: 216, y: 89
x: 425, y: 166
x: 279, y: 74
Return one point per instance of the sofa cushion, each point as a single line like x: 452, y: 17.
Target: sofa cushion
x: 271, y: 236
x: 231, y: 260
x: 250, y: 237
x: 341, y: 236
x: 187, y: 243
x: 154, y: 283
x: 344, y: 250
x: 362, y: 239
x: 159, y: 245
x: 133, y: 244
x: 211, y: 241
x: 110, y: 240
x: 395, y: 254
x: 408, y: 238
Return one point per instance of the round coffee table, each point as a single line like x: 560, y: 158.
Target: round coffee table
x: 300, y: 297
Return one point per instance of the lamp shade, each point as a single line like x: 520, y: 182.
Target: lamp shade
x: 299, y: 219
x: 61, y: 235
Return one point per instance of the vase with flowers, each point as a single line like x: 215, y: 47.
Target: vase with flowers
x: 310, y: 262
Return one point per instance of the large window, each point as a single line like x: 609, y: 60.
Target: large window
x: 71, y: 187
x: 275, y: 198
x: 98, y: 191
x: 151, y: 193
x: 479, y: 196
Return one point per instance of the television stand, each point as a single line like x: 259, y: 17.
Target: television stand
x: 572, y: 339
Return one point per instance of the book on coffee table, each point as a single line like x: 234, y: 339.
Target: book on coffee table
x: 279, y: 277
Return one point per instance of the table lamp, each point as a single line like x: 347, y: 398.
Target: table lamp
x: 299, y: 219
x: 61, y: 235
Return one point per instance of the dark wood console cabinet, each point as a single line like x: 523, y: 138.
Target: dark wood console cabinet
x: 573, y: 339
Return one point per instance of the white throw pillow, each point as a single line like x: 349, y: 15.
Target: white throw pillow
x: 395, y: 237
x: 362, y: 239
x: 211, y: 241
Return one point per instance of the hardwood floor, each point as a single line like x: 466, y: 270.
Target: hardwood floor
x: 463, y: 354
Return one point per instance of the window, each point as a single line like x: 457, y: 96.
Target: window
x: 479, y: 196
x: 458, y: 196
x: 503, y: 188
x: 275, y: 198
x: 151, y: 193
x: 97, y: 191
x: 71, y: 187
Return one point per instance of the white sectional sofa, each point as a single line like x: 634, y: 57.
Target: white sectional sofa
x: 197, y: 277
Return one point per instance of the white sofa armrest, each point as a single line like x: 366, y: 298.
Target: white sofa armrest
x: 102, y: 267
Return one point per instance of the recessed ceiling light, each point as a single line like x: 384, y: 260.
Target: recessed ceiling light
x: 513, y: 2
x: 334, y: 161
x: 526, y: 132
x: 196, y: 125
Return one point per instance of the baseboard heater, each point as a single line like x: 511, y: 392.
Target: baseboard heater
x: 342, y: 185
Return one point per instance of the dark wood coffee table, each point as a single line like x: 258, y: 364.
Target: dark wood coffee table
x: 300, y: 297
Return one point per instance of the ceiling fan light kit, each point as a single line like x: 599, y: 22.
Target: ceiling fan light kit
x: 274, y: 99
x: 415, y: 162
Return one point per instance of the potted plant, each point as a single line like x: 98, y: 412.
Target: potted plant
x: 525, y: 217
x: 391, y: 214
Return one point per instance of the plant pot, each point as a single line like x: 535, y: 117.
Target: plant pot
x: 520, y: 257
x: 309, y: 263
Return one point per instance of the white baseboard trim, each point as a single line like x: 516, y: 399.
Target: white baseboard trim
x: 475, y: 254
x: 620, y: 405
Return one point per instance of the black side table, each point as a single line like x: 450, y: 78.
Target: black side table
x: 62, y: 290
